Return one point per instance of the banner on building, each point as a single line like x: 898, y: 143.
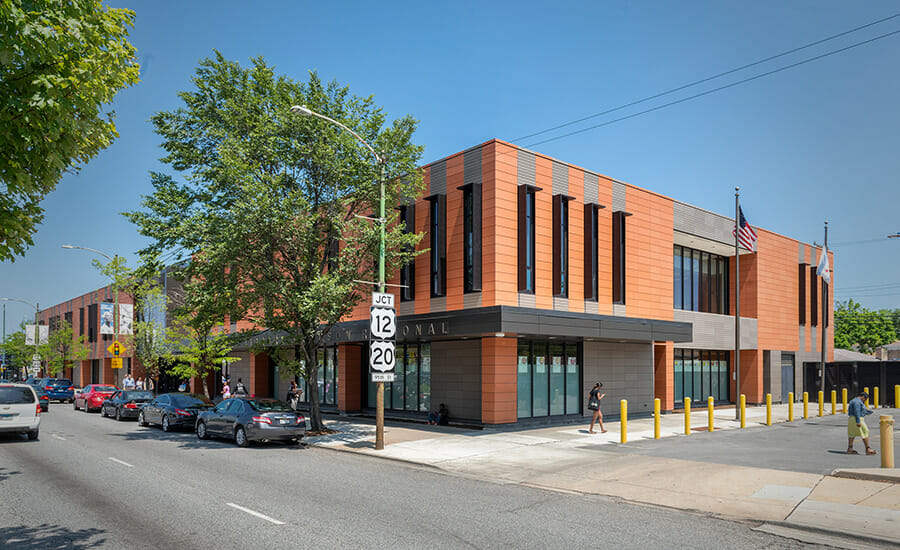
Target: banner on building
x: 126, y: 319
x: 106, y: 318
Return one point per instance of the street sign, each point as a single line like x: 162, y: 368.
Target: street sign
x: 35, y: 357
x: 381, y: 361
x: 117, y: 362
x: 36, y: 364
x: 383, y: 323
x: 116, y: 348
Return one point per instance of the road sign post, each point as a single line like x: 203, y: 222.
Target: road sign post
x: 382, y: 330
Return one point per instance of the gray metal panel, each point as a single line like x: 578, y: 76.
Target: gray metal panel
x: 438, y: 304
x: 526, y: 168
x: 472, y: 166
x: 406, y: 308
x: 618, y: 196
x: 626, y: 371
x: 703, y: 223
x: 801, y: 253
x: 560, y: 304
x: 471, y: 300
x: 813, y: 340
x: 438, y: 185
x: 802, y: 337
x: 714, y: 331
x: 560, y: 178
x: 619, y: 310
x: 527, y: 300
x: 456, y: 377
x: 591, y: 306
x: 591, y: 188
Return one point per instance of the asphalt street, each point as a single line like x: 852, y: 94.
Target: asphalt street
x: 816, y: 445
x: 92, y: 482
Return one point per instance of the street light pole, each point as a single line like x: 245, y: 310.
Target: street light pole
x: 379, y: 400
x: 115, y: 263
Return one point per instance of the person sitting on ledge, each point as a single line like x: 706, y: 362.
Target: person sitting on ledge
x: 441, y: 417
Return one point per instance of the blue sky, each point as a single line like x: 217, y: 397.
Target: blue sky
x: 813, y: 143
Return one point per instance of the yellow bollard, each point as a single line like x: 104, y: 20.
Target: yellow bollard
x: 821, y: 403
x: 805, y: 404
x: 687, y: 416
x: 866, y: 389
x: 709, y: 406
x: 886, y: 423
x: 897, y: 396
x: 743, y: 410
x: 656, y: 407
x: 844, y: 400
x: 790, y: 406
x: 833, y: 402
x: 875, y: 397
x: 768, y: 409
x: 623, y: 419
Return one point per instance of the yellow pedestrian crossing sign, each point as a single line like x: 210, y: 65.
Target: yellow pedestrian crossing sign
x: 117, y: 362
x: 116, y: 348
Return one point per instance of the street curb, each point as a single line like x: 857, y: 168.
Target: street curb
x: 352, y: 451
x: 866, y: 475
x: 856, y: 540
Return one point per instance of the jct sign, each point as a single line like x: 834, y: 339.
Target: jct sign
x: 382, y: 330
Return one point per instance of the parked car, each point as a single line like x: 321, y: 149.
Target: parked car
x: 20, y: 411
x: 125, y: 404
x: 60, y: 389
x: 92, y: 397
x: 247, y: 419
x: 43, y: 398
x: 174, y: 410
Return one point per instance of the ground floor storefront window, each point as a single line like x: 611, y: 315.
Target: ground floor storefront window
x: 411, y: 388
x: 548, y: 376
x: 701, y: 373
x: 326, y: 359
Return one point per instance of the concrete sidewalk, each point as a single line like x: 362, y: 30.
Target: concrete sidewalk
x: 814, y: 507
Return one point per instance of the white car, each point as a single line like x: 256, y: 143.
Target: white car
x: 20, y: 410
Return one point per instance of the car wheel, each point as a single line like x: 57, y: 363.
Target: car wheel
x: 141, y: 420
x: 32, y: 435
x: 201, y: 431
x: 118, y: 415
x: 103, y: 412
x: 240, y: 437
x: 165, y: 424
x: 74, y: 405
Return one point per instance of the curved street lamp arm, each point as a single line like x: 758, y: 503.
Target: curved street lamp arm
x: 304, y: 110
x: 20, y: 301
x: 70, y: 246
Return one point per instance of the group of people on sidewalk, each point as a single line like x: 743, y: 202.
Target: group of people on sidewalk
x: 129, y: 383
x: 240, y: 390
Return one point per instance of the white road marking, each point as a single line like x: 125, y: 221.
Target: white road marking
x: 122, y: 462
x: 59, y: 437
x: 254, y: 513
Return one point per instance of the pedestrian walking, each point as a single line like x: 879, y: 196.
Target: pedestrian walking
x: 292, y: 395
x: 856, y: 423
x: 226, y: 391
x: 594, y: 398
x: 240, y: 389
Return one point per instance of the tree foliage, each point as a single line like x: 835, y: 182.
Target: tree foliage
x: 268, y: 215
x: 62, y: 348
x: 60, y: 63
x: 20, y: 354
x: 855, y: 327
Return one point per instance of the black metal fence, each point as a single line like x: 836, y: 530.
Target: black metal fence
x: 854, y: 375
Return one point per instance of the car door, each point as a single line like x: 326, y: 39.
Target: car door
x: 109, y: 404
x: 213, y: 418
x: 229, y: 416
x: 162, y: 403
x: 83, y: 396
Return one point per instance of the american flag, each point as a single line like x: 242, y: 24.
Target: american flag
x: 747, y: 235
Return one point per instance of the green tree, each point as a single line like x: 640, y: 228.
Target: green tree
x: 14, y: 345
x: 270, y: 210
x: 62, y: 348
x: 857, y: 327
x: 61, y: 61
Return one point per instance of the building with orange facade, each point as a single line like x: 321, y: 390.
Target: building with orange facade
x: 540, y: 278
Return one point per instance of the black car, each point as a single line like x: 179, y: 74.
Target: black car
x: 171, y: 410
x: 125, y: 404
x: 247, y: 419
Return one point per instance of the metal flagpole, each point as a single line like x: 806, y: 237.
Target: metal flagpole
x: 824, y: 311
x: 737, y: 304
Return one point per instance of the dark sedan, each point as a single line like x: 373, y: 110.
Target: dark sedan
x: 43, y: 398
x: 247, y: 419
x: 174, y: 410
x: 125, y: 404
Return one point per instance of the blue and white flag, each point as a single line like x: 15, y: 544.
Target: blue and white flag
x: 824, y: 270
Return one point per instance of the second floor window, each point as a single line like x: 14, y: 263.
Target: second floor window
x: 561, y: 245
x: 438, y: 243
x: 408, y: 271
x: 471, y: 237
x: 591, y: 258
x: 700, y: 281
x: 618, y: 258
x: 526, y: 238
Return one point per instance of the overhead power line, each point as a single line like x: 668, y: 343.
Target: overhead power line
x: 707, y: 79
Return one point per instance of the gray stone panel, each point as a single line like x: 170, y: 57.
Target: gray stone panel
x: 618, y: 196
x: 438, y: 185
x: 703, y: 223
x: 591, y: 188
x: 526, y: 168
x: 456, y: 378
x: 472, y: 166
x: 714, y: 331
x: 560, y: 178
x: 626, y: 371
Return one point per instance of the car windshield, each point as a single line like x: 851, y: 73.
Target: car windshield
x: 104, y: 389
x: 59, y: 382
x: 191, y: 401
x: 12, y: 395
x: 128, y: 395
x: 269, y: 405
